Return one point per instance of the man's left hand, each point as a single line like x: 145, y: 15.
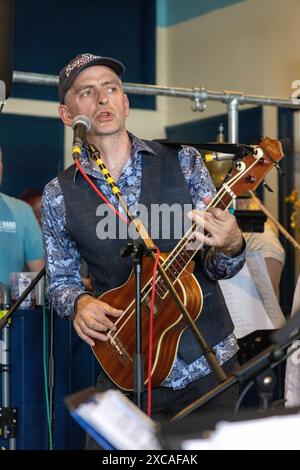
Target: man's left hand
x: 218, y: 228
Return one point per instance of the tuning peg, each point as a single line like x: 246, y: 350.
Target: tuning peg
x: 280, y: 171
x: 267, y: 187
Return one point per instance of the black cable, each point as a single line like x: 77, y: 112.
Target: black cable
x: 242, y: 396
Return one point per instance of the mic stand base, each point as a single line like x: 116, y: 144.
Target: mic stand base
x: 265, y: 384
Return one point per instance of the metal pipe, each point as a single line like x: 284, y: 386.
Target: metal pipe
x: 35, y: 78
x: 233, y: 127
x: 200, y: 94
x: 233, y: 121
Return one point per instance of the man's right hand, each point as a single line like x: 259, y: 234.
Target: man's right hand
x: 91, y: 319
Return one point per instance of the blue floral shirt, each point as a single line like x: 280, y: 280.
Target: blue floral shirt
x: 63, y: 259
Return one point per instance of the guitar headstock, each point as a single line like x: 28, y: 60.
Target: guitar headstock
x: 253, y: 168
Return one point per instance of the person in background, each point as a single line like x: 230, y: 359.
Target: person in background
x: 33, y: 197
x: 268, y: 244
x: 20, y: 236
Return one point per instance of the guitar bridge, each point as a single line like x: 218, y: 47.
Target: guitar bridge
x: 119, y: 348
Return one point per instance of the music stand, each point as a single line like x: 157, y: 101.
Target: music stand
x: 260, y: 364
x: 173, y: 436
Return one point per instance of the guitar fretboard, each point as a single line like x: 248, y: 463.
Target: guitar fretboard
x: 181, y: 255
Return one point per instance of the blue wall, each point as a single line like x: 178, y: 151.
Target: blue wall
x: 47, y: 35
x: 50, y: 33
x: 205, y: 130
x: 33, y: 151
x: 171, y: 12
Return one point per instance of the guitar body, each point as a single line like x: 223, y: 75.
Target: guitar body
x: 116, y: 356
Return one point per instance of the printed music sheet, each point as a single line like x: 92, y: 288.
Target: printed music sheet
x: 292, y: 378
x: 112, y: 418
x: 250, y: 298
x: 272, y: 433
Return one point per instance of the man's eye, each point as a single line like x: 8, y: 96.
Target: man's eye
x: 112, y: 89
x: 85, y: 93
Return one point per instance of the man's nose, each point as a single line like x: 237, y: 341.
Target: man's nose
x: 102, y: 97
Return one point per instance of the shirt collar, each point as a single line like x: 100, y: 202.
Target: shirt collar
x: 138, y: 146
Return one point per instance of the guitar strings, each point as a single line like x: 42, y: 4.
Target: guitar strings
x: 223, y: 191
x: 168, y: 261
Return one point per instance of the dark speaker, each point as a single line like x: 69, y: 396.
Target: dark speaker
x: 6, y: 46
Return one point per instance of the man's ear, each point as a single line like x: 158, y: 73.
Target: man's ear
x: 65, y: 115
x: 126, y: 104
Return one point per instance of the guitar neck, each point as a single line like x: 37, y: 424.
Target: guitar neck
x: 186, y: 249
x: 246, y: 175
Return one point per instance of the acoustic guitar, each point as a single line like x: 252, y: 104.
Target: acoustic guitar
x: 116, y: 356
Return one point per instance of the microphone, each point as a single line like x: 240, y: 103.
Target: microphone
x: 81, y: 126
x: 220, y: 157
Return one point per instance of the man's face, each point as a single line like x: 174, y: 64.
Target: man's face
x: 97, y: 93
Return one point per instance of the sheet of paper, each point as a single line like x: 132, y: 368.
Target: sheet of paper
x: 119, y: 421
x: 273, y: 433
x: 292, y: 377
x: 250, y: 298
x: 259, y: 272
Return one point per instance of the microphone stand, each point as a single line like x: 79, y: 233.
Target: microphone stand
x: 8, y: 414
x: 137, y: 255
x: 21, y: 299
x: 51, y: 372
x: 137, y: 251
